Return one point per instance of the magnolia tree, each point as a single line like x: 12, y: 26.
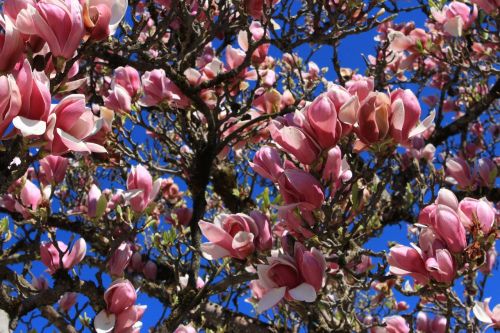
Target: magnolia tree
x: 190, y: 163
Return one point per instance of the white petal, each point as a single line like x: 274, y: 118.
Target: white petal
x: 104, y: 322
x: 425, y: 124
x: 117, y: 13
x: 130, y: 194
x: 270, y: 299
x: 71, y: 142
x: 28, y: 126
x: 213, y: 251
x: 480, y: 313
x: 95, y: 148
x: 156, y: 188
x: 303, y: 292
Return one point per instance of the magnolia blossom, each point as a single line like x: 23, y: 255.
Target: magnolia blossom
x: 35, y: 101
x: 479, y: 212
x: 30, y: 195
x: 102, y: 17
x: 59, y: 23
x: 60, y: 257
x: 236, y: 235
x: 120, y: 296
x: 70, y: 125
x: 393, y: 324
x: 158, y: 88
x: 294, y: 278
x: 126, y: 321
x: 10, y: 101
x: 52, y: 169
x: 484, y: 314
x: 267, y: 163
x: 120, y: 259
x: 301, y: 188
x: 67, y: 301
x: 141, y: 188
x: 455, y: 17
x: 11, y: 44
x: 119, y: 99
x: 430, y: 325
x: 128, y: 78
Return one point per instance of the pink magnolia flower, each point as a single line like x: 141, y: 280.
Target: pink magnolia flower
x: 455, y: 17
x: 70, y: 124
x: 118, y: 99
x: 479, y: 212
x: 257, y: 32
x: 120, y: 259
x: 446, y: 222
x: 394, y: 324
x: 300, y: 187
x: 51, y: 257
x: 404, y: 261
x: 295, y: 140
x: 405, y: 115
x: 267, y: 163
x: 336, y: 170
x: 128, y: 77
x: 458, y: 172
x: 404, y: 41
x: 30, y: 195
x: 429, y: 261
x: 484, y: 314
x: 35, y: 98
x: 268, y: 101
x: 150, y: 270
x: 10, y: 101
x: 140, y: 182
x: 347, y: 106
x: 430, y: 325
x: 119, y: 296
x: 52, y: 169
x: 185, y: 329
x: 158, y: 88
x: 373, y: 120
x: 11, y: 44
x: 486, y: 171
x: 136, y: 262
x: 67, y: 301
x: 293, y: 278
x: 96, y: 18
x: 258, y: 291
x: 361, y: 86
x: 59, y: 23
x: 128, y: 321
x: 321, y: 115
x: 92, y: 200
x: 180, y: 216
x: 235, y: 235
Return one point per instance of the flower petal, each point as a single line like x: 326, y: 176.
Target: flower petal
x: 303, y: 292
x: 270, y: 299
x: 29, y: 126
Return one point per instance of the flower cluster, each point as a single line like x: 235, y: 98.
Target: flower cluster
x: 443, y: 238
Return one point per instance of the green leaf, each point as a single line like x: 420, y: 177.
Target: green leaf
x: 101, y: 206
x: 4, y: 229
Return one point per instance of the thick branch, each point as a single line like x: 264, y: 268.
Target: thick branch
x: 462, y: 123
